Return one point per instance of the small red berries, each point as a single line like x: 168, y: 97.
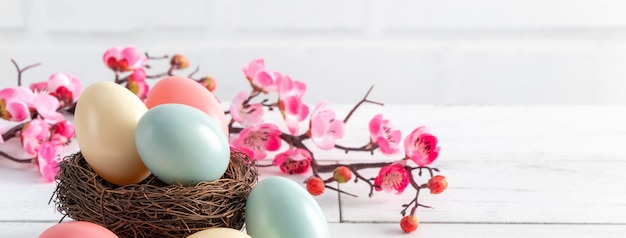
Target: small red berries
x: 437, y: 184
x: 315, y: 186
x: 409, y: 223
x: 342, y: 174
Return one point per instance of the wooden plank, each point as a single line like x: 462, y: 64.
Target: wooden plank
x: 531, y: 191
x: 362, y: 230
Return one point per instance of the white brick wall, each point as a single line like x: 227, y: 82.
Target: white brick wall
x: 414, y: 51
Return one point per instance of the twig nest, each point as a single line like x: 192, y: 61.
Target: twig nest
x: 153, y: 208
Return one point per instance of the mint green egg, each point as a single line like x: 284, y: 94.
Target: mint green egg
x: 280, y: 208
x: 181, y: 144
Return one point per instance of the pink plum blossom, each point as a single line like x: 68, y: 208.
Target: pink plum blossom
x: 65, y: 87
x: 265, y: 81
x: 17, y: 103
x: 63, y: 132
x: 421, y: 146
x: 256, y: 140
x: 47, y: 105
x: 124, y: 59
x: 392, y: 177
x: 12, y: 107
x: 137, y: 83
x: 290, y: 102
x: 293, y: 161
x: 260, y: 79
x: 34, y: 134
x: 47, y: 159
x: 384, y: 135
x: 253, y: 67
x: 248, y: 114
x: 325, y: 128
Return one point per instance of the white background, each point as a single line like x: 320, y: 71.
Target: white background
x: 415, y: 51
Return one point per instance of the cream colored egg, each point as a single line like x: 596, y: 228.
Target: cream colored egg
x: 106, y: 117
x: 219, y: 233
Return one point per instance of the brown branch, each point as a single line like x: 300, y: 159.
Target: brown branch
x: 10, y: 133
x: 366, y: 148
x: 364, y: 100
x: 194, y: 72
x: 20, y: 71
x: 340, y: 191
x: 156, y: 57
x: 23, y: 161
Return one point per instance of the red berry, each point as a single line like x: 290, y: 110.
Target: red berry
x: 315, y: 186
x: 437, y: 184
x: 342, y: 174
x: 409, y: 223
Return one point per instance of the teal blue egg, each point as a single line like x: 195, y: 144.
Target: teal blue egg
x: 181, y: 144
x: 280, y: 208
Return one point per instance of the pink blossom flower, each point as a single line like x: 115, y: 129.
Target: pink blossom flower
x: 265, y: 81
x: 293, y: 161
x: 258, y: 139
x: 137, y: 83
x: 383, y: 134
x: 16, y: 104
x: 290, y: 102
x: 63, y: 132
x: 11, y: 107
x: 245, y: 114
x: 392, y: 177
x: 34, y: 134
x: 421, y: 146
x: 47, y: 105
x: 65, y: 87
x: 124, y: 59
x: 325, y: 128
x: 47, y: 159
x: 253, y: 67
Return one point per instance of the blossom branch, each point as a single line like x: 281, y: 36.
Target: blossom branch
x: 194, y: 72
x: 169, y: 72
x: 364, y: 100
x: 366, y: 148
x: 156, y: 57
x: 10, y: 133
x: 23, y: 161
x: 19, y: 71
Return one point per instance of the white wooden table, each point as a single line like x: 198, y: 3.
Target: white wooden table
x: 513, y: 171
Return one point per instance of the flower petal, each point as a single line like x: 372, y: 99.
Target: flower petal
x: 47, y: 106
x: 18, y: 110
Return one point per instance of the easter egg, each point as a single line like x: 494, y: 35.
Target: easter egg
x: 177, y: 89
x: 105, y: 120
x: 181, y: 144
x: 280, y: 208
x: 219, y: 232
x: 77, y: 229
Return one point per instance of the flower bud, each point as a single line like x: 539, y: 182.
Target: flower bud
x: 208, y: 82
x: 437, y: 184
x: 342, y: 174
x: 315, y: 186
x: 179, y: 61
x: 409, y: 223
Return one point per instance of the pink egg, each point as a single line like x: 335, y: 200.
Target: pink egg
x: 77, y: 229
x: 181, y: 90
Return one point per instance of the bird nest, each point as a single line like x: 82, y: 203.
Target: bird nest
x: 153, y: 208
